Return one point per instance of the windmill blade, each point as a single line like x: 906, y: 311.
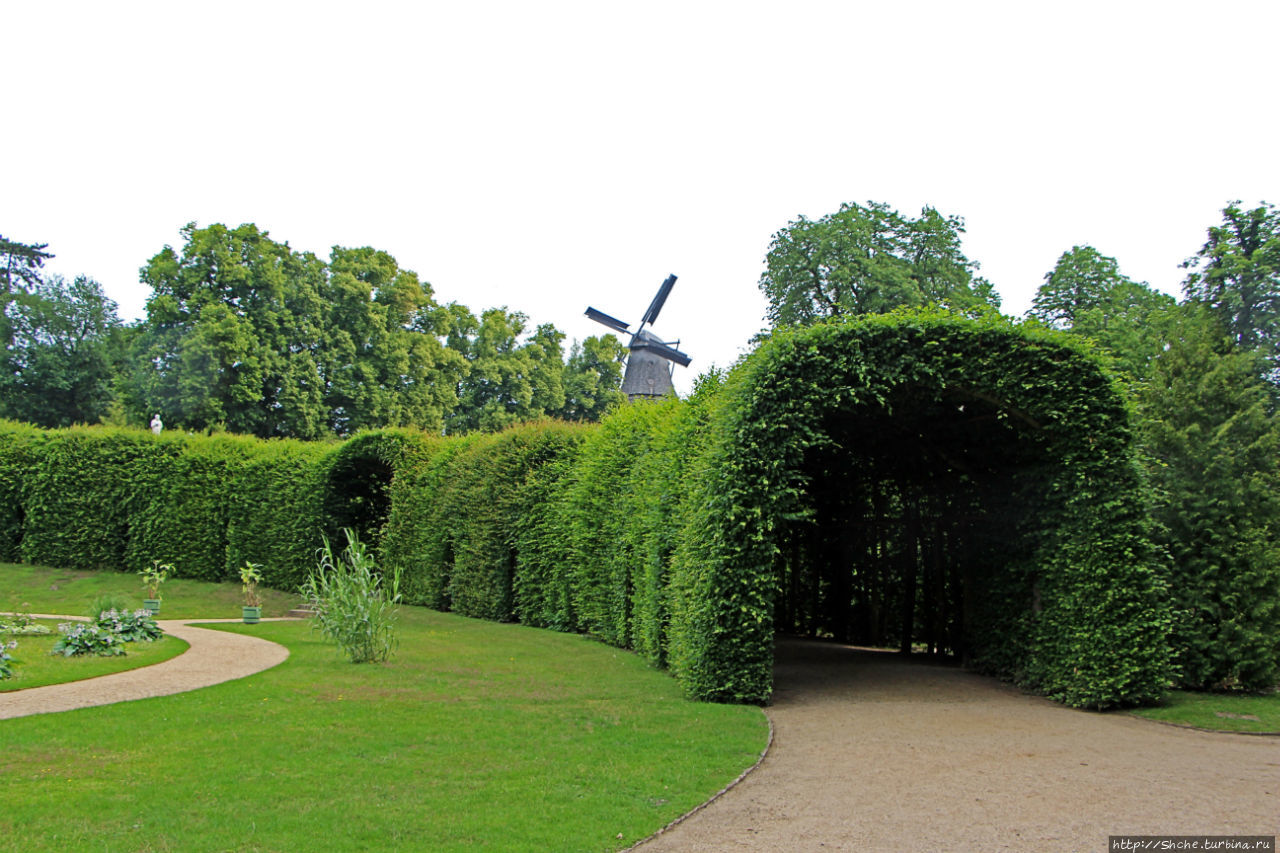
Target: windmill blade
x: 659, y: 348
x: 603, y: 318
x: 656, y: 305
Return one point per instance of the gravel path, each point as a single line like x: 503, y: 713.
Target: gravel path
x: 874, y: 753
x: 214, y: 657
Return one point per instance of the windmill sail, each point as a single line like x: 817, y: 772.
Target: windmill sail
x: 658, y: 301
x: 612, y: 322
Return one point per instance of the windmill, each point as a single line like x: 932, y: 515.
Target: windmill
x: 649, y: 365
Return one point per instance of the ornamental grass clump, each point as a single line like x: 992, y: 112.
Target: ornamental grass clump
x: 352, y: 603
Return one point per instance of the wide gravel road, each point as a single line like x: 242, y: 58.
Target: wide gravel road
x: 875, y: 753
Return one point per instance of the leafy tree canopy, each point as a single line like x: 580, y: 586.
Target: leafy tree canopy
x: 1214, y: 447
x: 593, y: 378
x: 60, y: 365
x: 870, y: 260
x: 20, y: 265
x: 1085, y: 293
x: 507, y: 381
x: 1236, y: 274
x: 242, y: 331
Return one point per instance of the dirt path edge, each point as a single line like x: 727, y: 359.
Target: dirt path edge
x: 212, y: 657
x: 726, y: 789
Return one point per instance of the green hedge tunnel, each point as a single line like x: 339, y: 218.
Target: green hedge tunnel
x: 953, y: 486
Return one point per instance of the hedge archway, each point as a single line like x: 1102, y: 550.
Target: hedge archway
x: 984, y: 464
x: 358, y: 479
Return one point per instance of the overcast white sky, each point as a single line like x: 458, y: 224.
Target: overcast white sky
x: 551, y: 155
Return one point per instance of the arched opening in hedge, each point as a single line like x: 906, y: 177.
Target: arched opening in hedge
x: 910, y: 506
x: 925, y: 479
x: 358, y: 481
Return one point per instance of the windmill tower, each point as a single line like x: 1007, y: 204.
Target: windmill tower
x: 651, y: 360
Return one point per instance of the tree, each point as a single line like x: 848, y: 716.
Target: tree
x: 382, y: 360
x: 1085, y: 293
x: 496, y: 390
x: 20, y: 265
x: 234, y: 324
x: 593, y: 379
x: 1237, y: 275
x: 1214, y: 449
x: 870, y: 260
x: 61, y: 362
x: 243, y: 331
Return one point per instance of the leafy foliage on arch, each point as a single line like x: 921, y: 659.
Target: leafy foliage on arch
x: 1079, y: 613
x: 358, y: 477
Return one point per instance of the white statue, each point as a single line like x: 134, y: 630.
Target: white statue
x: 156, y: 424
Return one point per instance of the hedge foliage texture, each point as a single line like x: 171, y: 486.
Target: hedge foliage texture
x: 938, y: 484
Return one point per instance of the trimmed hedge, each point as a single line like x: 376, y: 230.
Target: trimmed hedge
x: 111, y: 498
x: 1082, y: 613
x: 274, y: 516
x: 21, y: 447
x: 692, y: 531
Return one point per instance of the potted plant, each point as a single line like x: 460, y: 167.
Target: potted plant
x: 250, y: 577
x: 151, y: 579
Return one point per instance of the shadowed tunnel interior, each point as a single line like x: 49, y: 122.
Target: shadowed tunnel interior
x: 915, y: 509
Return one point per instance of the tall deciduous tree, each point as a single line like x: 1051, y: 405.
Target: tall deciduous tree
x: 593, y: 379
x: 507, y: 381
x: 61, y: 361
x: 1085, y: 293
x: 20, y: 265
x: 1237, y: 274
x: 245, y: 332
x: 382, y: 359
x: 233, y: 327
x: 869, y: 260
x: 1214, y: 446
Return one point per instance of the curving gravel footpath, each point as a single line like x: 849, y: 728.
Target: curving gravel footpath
x: 874, y: 753
x: 214, y: 657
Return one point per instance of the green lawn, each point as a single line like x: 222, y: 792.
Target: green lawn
x: 39, y: 589
x: 474, y: 735
x: 1231, y: 712
x: 33, y: 666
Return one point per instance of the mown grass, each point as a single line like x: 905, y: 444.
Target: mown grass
x: 1231, y: 712
x: 474, y: 735
x: 70, y: 592
x: 34, y: 666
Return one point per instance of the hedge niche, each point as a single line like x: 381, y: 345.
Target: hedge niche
x: 925, y: 482
x: 357, y: 480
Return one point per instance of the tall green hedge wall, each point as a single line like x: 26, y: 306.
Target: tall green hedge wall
x: 665, y: 528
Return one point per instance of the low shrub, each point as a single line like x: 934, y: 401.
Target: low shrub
x: 6, y: 659
x: 131, y: 626
x: 21, y: 624
x: 80, y: 638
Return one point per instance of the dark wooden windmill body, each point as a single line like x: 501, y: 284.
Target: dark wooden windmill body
x: 650, y: 360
